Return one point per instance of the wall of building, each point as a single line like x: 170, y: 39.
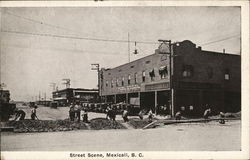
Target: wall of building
x: 147, y: 64
x: 207, y: 85
x: 4, y: 96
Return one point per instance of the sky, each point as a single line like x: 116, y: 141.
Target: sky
x: 30, y: 61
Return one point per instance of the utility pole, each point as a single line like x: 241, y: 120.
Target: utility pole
x: 96, y: 66
x: 168, y: 51
x: 67, y: 82
x: 128, y: 48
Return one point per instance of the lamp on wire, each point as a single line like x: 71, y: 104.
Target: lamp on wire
x: 135, y: 52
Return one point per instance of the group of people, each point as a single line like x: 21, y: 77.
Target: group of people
x: 20, y: 114
x: 75, y: 113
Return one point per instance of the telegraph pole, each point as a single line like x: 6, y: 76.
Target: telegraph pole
x: 96, y: 66
x: 171, y: 87
x: 128, y: 48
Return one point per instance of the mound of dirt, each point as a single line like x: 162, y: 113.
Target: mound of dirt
x: 137, y: 123
x: 103, y: 123
x: 45, y: 125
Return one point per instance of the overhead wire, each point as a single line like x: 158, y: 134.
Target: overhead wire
x: 211, y: 42
x: 63, y: 28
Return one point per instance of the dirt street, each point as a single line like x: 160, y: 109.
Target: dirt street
x: 210, y: 136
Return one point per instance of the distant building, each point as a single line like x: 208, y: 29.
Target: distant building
x: 69, y: 95
x: 4, y: 96
x: 199, y: 77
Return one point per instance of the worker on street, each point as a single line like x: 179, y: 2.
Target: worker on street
x: 78, y: 111
x: 150, y: 115
x: 19, y: 114
x: 178, y: 115
x: 71, y: 112
x: 207, y: 113
x: 33, y: 113
x: 85, y: 116
x: 125, y: 115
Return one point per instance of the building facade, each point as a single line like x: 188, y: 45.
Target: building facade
x: 4, y: 96
x: 69, y: 95
x: 198, y: 78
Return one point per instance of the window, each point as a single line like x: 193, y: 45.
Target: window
x: 163, y: 71
x: 210, y: 72
x: 107, y: 83
x: 135, y: 77
x: 227, y: 74
x: 143, y: 76
x: 152, y: 74
x: 129, y: 78
x: 117, y: 82
x: 147, y: 62
x: 112, y: 83
x: 122, y: 81
x: 187, y: 71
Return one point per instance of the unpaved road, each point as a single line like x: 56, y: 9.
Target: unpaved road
x: 179, y: 137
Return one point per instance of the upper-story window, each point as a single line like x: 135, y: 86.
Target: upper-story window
x: 112, y: 82
x: 107, y: 83
x: 143, y: 76
x: 210, y: 72
x: 227, y: 74
x: 122, y: 81
x: 163, y: 71
x: 117, y: 82
x: 152, y: 75
x: 129, y: 78
x: 187, y: 71
x: 135, y: 77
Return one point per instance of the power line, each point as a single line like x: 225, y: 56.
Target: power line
x: 208, y: 43
x: 40, y: 22
x: 74, y: 37
x: 63, y: 28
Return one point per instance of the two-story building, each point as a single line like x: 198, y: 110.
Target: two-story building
x: 66, y: 96
x: 198, y: 78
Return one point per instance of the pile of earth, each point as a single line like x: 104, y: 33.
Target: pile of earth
x: 61, y: 125
x: 138, y: 123
x: 103, y: 123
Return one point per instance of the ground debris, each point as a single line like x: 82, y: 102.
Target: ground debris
x: 103, y: 123
x: 45, y: 125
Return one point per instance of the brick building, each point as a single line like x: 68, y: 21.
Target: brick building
x: 199, y: 77
x: 69, y: 95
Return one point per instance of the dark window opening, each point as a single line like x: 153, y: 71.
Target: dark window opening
x: 122, y: 81
x: 187, y: 71
x: 135, y: 78
x: 227, y: 74
x: 163, y: 71
x: 152, y: 74
x: 129, y: 77
x: 143, y: 76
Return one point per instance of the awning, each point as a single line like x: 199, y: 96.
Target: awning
x: 59, y: 98
x: 162, y: 68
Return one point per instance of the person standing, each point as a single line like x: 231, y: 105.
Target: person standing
x: 71, y: 112
x: 150, y: 115
x: 85, y: 116
x: 222, y: 116
x: 125, y: 115
x: 78, y: 112
x: 33, y: 113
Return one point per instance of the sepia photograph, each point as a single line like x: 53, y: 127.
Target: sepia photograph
x: 117, y: 82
